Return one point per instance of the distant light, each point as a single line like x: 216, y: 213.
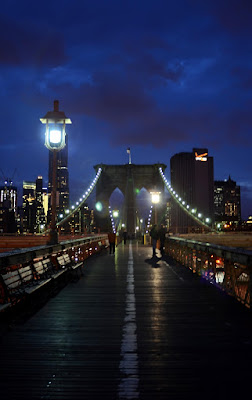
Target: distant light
x: 141, y: 220
x: 98, y: 206
x: 199, y: 215
x: 207, y: 220
x: 155, y: 197
x: 193, y: 211
x: 61, y: 215
x: 67, y: 211
x: 115, y: 213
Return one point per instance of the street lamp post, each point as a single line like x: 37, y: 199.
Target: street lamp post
x: 55, y: 140
x: 155, y: 198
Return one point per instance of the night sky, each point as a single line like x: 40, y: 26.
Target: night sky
x: 160, y: 77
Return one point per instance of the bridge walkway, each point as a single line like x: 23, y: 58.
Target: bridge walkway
x: 130, y: 328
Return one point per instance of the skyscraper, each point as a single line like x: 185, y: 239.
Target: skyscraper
x: 34, y: 211
x: 192, y: 179
x: 227, y: 202
x: 8, y: 207
x: 29, y: 206
x: 40, y: 210
x: 62, y: 197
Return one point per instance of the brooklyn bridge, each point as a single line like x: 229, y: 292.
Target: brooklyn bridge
x: 78, y: 322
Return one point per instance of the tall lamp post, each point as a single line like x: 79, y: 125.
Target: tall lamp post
x: 55, y: 140
x: 155, y: 198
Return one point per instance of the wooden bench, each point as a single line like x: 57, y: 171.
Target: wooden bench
x: 22, y: 282
x: 51, y: 269
x: 13, y: 286
x: 65, y: 262
x: 42, y: 270
x: 32, y: 281
x: 75, y: 266
x: 4, y: 306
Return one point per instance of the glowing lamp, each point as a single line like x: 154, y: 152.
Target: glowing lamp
x: 55, y: 121
x: 155, y: 197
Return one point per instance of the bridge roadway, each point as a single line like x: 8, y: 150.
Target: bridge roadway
x: 130, y: 328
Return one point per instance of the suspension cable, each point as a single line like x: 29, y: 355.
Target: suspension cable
x: 112, y: 220
x: 197, y: 216
x: 82, y: 200
x: 149, y: 220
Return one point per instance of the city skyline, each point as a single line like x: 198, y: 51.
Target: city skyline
x: 160, y: 78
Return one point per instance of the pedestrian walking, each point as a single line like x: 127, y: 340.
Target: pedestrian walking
x: 154, y: 236
x: 161, y: 233
x: 124, y: 237
x: 112, y: 240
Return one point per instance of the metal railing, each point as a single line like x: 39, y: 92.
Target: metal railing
x: 228, y: 268
x: 77, y: 249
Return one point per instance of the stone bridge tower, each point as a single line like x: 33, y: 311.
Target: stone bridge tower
x: 128, y: 178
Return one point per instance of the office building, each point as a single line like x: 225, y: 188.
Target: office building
x: 227, y: 203
x: 8, y: 207
x: 192, y: 178
x: 82, y: 221
x: 34, y: 207
x: 41, y: 211
x: 62, y: 194
x: 29, y: 206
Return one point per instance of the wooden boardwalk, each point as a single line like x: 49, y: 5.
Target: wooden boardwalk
x: 130, y: 328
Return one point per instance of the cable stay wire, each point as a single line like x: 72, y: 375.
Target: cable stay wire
x: 191, y: 211
x: 80, y: 203
x: 149, y: 220
x: 112, y: 220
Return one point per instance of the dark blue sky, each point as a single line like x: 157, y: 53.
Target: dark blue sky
x: 159, y: 77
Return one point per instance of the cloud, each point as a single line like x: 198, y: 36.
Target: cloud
x: 29, y: 44
x: 234, y: 16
